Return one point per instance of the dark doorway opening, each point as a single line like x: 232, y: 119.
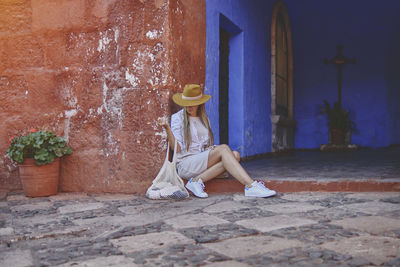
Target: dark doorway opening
x: 223, y: 86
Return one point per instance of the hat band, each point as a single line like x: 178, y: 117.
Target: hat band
x: 191, y: 97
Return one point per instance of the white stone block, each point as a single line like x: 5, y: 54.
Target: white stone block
x: 80, y: 207
x: 135, y: 209
x: 306, y: 196
x: 194, y: 220
x: 111, y: 261
x: 161, y: 240
x: 109, y: 221
x: 370, y: 224
x: 373, y: 195
x: 372, y: 207
x: 225, y: 206
x: 6, y: 231
x: 251, y: 245
x: 226, y: 264
x: 115, y: 197
x: 16, y: 258
x: 145, y: 214
x: 38, y: 219
x: 376, y: 249
x: 68, y: 196
x: 290, y: 207
x: 267, y: 224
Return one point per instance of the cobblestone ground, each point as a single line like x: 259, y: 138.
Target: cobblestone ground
x: 296, y: 229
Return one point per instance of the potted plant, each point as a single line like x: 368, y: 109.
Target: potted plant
x: 38, y: 156
x: 339, y: 122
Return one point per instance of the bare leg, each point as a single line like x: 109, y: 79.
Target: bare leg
x: 211, y: 172
x: 224, y: 154
x: 225, y: 174
x: 215, y: 170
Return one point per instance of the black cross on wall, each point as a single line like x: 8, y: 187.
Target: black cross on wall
x: 340, y: 60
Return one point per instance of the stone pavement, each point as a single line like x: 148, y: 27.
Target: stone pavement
x: 290, y: 229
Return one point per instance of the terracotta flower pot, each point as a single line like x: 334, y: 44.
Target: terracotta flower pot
x: 338, y: 137
x: 39, y: 181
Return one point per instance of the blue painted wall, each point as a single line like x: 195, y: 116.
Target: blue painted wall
x: 250, y: 124
x: 369, y: 30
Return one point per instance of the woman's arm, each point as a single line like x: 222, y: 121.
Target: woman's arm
x: 171, y: 138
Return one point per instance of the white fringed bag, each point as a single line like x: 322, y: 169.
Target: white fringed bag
x: 168, y: 184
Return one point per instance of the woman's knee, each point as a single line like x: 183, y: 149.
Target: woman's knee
x: 237, y: 155
x: 223, y: 149
x: 216, y: 154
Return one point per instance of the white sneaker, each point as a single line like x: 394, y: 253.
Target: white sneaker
x: 197, y: 188
x: 258, y: 189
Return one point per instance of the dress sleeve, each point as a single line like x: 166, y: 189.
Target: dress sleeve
x: 177, y: 129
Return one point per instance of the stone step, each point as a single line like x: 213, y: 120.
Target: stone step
x: 230, y: 185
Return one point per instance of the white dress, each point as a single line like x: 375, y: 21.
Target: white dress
x: 193, y: 161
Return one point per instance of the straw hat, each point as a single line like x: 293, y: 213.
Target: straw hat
x: 192, y: 96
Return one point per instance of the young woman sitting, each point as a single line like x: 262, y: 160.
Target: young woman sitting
x: 198, y: 160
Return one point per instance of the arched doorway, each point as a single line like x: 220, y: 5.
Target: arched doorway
x: 282, y: 117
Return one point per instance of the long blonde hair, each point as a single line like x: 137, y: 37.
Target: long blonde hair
x: 201, y: 112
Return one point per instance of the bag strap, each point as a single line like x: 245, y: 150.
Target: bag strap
x: 174, y: 157
x: 167, y: 155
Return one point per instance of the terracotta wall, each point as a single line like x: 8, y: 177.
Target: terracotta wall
x: 100, y: 73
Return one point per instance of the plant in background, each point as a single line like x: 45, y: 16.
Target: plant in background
x: 44, y: 147
x: 338, y: 118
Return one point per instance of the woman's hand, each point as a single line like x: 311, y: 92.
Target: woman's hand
x: 163, y: 121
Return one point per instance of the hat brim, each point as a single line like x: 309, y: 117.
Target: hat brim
x: 177, y: 98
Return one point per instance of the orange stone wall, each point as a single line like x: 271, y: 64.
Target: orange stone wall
x: 100, y: 73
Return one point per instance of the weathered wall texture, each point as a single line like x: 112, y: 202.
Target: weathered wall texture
x: 99, y: 73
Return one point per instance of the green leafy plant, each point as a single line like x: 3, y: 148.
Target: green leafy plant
x: 44, y: 147
x: 338, y: 118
